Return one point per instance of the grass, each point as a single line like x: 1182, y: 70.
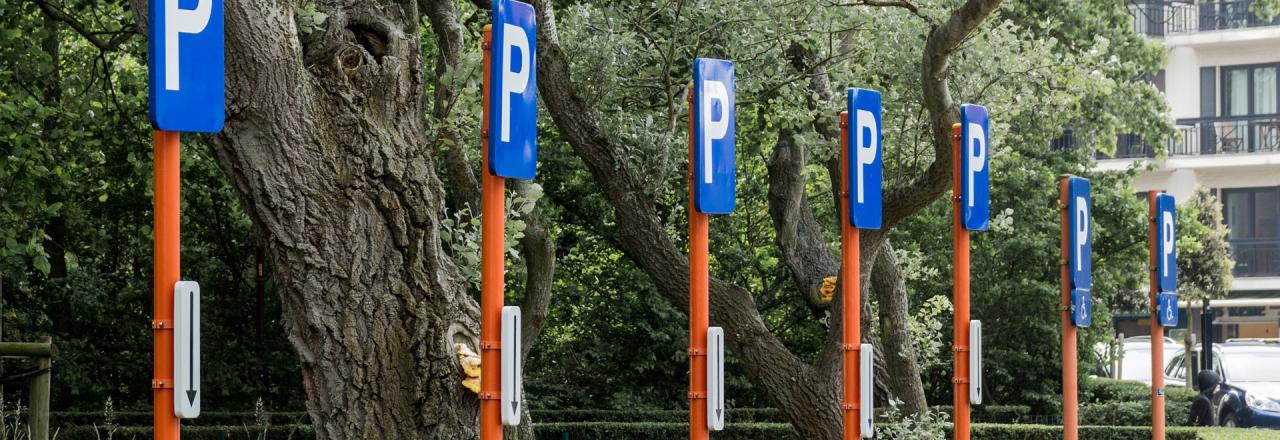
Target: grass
x: 1238, y: 434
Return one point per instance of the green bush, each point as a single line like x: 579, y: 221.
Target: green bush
x: 143, y: 418
x: 740, y: 415
x: 1053, y: 432
x: 282, y: 432
x: 991, y: 413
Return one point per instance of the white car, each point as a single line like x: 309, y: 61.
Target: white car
x: 1133, y: 361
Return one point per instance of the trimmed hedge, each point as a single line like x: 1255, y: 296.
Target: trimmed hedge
x: 991, y: 413
x: 778, y: 431
x: 143, y: 418
x: 283, y: 432
x: 739, y: 415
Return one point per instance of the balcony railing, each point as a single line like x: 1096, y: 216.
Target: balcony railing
x: 1196, y: 137
x: 1165, y: 17
x: 1226, y: 135
x: 1256, y: 258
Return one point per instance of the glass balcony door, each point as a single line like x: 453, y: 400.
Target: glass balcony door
x: 1249, y: 91
x: 1253, y: 216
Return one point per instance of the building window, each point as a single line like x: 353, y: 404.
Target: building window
x: 1253, y: 215
x: 1249, y: 90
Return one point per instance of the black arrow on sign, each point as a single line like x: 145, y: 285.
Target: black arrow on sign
x: 191, y: 351
x: 515, y: 353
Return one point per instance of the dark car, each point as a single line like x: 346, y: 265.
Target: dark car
x: 1250, y: 392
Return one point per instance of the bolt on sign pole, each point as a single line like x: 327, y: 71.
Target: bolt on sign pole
x: 186, y: 93
x: 510, y: 151
x: 712, y: 190
x: 970, y: 211
x: 1076, y: 300
x: 1164, y: 299
x: 860, y: 208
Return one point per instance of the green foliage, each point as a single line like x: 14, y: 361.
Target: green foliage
x: 655, y: 430
x: 1204, y: 256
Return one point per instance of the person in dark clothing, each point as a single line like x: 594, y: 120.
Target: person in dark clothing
x: 1202, y: 407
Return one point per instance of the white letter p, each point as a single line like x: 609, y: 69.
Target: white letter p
x: 713, y: 91
x: 977, y: 152
x: 1166, y: 239
x: 868, y: 136
x: 513, y: 82
x: 1082, y: 228
x: 180, y: 21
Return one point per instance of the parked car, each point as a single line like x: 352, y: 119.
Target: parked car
x: 1249, y: 395
x: 1133, y: 361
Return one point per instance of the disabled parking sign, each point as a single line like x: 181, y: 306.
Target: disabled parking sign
x: 185, y: 66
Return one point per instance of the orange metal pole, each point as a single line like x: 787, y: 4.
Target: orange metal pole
x: 1157, y: 331
x: 1070, y: 403
x: 699, y: 305
x: 167, y: 258
x: 850, y: 295
x: 492, y: 265
x: 960, y: 297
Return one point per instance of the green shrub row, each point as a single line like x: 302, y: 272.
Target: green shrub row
x: 779, y: 431
x: 738, y: 415
x: 636, y: 430
x: 1095, y: 390
x: 991, y: 413
x: 282, y: 432
x: 143, y: 418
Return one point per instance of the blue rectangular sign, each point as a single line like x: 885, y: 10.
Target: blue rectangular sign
x: 185, y: 66
x: 1167, y: 309
x: 975, y: 174
x: 714, y: 166
x: 1081, y: 307
x: 863, y: 152
x: 513, y: 87
x: 1080, y: 222
x: 1166, y: 243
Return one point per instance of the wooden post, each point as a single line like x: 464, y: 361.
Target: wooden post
x: 38, y: 417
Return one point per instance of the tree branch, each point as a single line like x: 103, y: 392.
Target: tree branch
x: 943, y: 41
x: 94, y: 38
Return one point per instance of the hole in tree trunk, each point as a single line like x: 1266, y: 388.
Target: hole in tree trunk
x: 372, y: 39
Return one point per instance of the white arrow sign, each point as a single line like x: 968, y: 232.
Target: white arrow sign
x: 867, y: 404
x: 512, y: 366
x: 975, y: 362
x: 186, y: 349
x: 715, y: 378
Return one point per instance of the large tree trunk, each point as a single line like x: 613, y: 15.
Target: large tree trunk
x: 890, y: 288
x: 326, y: 144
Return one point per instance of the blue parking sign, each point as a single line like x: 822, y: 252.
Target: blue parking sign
x: 863, y: 151
x: 513, y: 87
x: 1081, y: 307
x: 185, y: 66
x: 1167, y: 309
x: 975, y: 175
x: 1080, y: 223
x: 714, y: 166
x: 1166, y: 243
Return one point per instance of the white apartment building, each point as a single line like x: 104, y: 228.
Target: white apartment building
x: 1221, y: 85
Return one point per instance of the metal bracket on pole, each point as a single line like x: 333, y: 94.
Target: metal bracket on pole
x: 960, y: 348
x: 849, y: 347
x: 490, y: 345
x: 698, y: 395
x: 486, y: 395
x: 161, y: 384
x: 694, y: 351
x: 959, y: 380
x: 849, y: 406
x: 161, y: 324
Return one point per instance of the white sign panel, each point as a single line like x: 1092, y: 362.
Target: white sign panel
x: 867, y: 363
x: 186, y: 349
x: 715, y: 378
x: 975, y: 362
x: 512, y: 366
